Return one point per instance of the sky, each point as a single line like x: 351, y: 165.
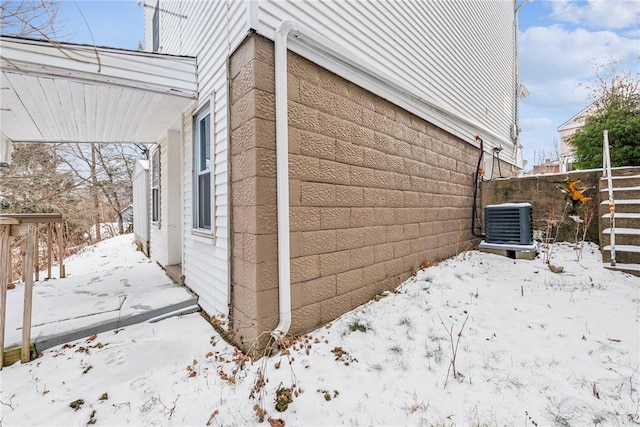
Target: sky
x: 113, y: 23
x: 561, y: 42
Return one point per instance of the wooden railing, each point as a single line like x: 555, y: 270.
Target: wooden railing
x: 26, y: 227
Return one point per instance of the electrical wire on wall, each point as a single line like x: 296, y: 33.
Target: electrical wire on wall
x: 476, y: 182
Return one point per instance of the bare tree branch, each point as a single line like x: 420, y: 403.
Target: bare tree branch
x: 25, y: 18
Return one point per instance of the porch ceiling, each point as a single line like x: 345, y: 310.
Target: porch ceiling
x: 62, y: 92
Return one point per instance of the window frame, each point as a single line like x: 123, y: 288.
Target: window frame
x: 155, y: 187
x: 203, y: 173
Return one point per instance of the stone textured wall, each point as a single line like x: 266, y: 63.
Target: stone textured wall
x: 374, y: 192
x: 254, y: 265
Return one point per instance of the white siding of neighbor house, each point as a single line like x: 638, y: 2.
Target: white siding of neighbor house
x: 458, y: 55
x: 210, y: 31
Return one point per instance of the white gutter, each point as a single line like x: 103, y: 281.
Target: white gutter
x: 282, y: 177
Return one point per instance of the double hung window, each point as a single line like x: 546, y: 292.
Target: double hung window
x: 155, y: 187
x: 202, y: 171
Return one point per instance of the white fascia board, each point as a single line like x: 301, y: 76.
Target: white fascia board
x: 167, y: 74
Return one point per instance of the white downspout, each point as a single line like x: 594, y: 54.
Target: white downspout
x: 282, y: 177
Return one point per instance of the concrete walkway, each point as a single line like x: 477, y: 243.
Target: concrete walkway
x: 108, y: 286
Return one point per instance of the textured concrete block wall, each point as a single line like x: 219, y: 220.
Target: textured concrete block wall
x: 374, y: 192
x: 254, y: 256
x: 546, y: 195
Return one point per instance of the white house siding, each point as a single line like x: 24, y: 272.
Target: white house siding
x: 165, y: 234
x: 141, y: 200
x: 456, y: 54
x: 210, y: 31
x: 159, y: 244
x: 171, y: 179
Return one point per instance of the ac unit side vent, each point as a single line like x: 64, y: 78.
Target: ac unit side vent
x: 509, y: 224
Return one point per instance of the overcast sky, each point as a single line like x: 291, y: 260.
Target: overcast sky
x: 561, y: 42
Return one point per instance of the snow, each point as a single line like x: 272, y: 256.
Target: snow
x: 510, y: 205
x: 106, y: 281
x: 532, y: 346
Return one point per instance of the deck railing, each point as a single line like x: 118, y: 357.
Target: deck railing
x: 25, y: 226
x: 606, y: 172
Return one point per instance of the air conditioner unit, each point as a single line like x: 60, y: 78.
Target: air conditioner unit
x: 509, y: 223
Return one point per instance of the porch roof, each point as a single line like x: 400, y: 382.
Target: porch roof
x: 64, y: 92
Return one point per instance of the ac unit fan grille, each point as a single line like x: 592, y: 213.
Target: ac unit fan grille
x: 509, y: 224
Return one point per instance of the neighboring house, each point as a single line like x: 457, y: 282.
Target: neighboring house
x: 126, y: 214
x: 329, y: 151
x: 549, y: 166
x: 567, y: 129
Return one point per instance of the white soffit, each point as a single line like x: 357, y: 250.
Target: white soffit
x: 61, y: 92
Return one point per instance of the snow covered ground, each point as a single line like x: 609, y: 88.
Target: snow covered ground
x: 533, y: 348
x: 108, y: 282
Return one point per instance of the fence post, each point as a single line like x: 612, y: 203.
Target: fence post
x: 25, y: 354
x: 61, y: 249
x: 36, y: 255
x: 49, y: 251
x: 5, y: 274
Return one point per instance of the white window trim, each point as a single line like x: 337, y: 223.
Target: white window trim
x: 155, y: 162
x: 201, y: 114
